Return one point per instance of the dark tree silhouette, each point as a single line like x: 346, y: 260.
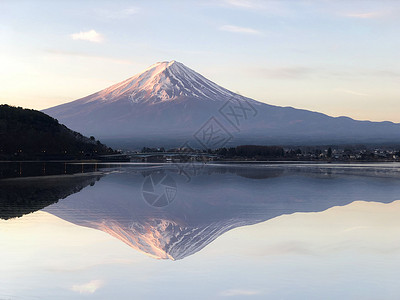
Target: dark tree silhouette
x: 31, y: 134
x: 329, y: 154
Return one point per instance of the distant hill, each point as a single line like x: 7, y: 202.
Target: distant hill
x: 31, y: 134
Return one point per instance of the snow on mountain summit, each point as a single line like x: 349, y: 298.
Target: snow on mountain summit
x: 161, y: 82
x: 165, y: 96
x: 169, y: 103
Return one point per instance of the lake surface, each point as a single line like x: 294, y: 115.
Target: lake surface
x: 195, y: 231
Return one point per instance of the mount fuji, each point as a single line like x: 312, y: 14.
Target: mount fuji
x: 169, y: 104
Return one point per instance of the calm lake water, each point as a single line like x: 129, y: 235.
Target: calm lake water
x: 191, y: 231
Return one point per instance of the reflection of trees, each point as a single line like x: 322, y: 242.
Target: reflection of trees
x: 25, y: 195
x: 31, y: 169
x: 197, y: 170
x: 258, y: 173
x: 255, y: 171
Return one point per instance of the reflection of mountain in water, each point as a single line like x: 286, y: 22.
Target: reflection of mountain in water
x: 20, y: 196
x: 214, y: 201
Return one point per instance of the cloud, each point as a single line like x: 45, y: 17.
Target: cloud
x: 91, y: 36
x: 239, y: 292
x: 237, y: 29
x: 88, y: 288
x: 369, y: 15
x: 323, y: 72
x: 242, y: 3
x: 387, y: 73
x: 284, y: 248
x: 269, y: 7
x: 118, y: 14
x: 87, y: 55
x: 296, y: 72
x: 354, y: 93
x: 354, y: 228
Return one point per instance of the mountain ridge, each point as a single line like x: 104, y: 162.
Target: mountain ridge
x: 168, y: 103
x: 31, y: 134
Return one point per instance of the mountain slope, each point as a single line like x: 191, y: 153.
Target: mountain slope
x: 30, y: 134
x: 168, y: 103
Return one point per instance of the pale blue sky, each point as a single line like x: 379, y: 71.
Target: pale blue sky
x: 333, y: 56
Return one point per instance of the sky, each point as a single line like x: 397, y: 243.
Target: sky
x: 333, y: 56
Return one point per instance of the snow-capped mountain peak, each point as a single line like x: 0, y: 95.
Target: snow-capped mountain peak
x: 169, y: 103
x: 163, y: 81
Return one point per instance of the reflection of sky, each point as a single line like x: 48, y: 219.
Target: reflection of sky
x: 343, y: 252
